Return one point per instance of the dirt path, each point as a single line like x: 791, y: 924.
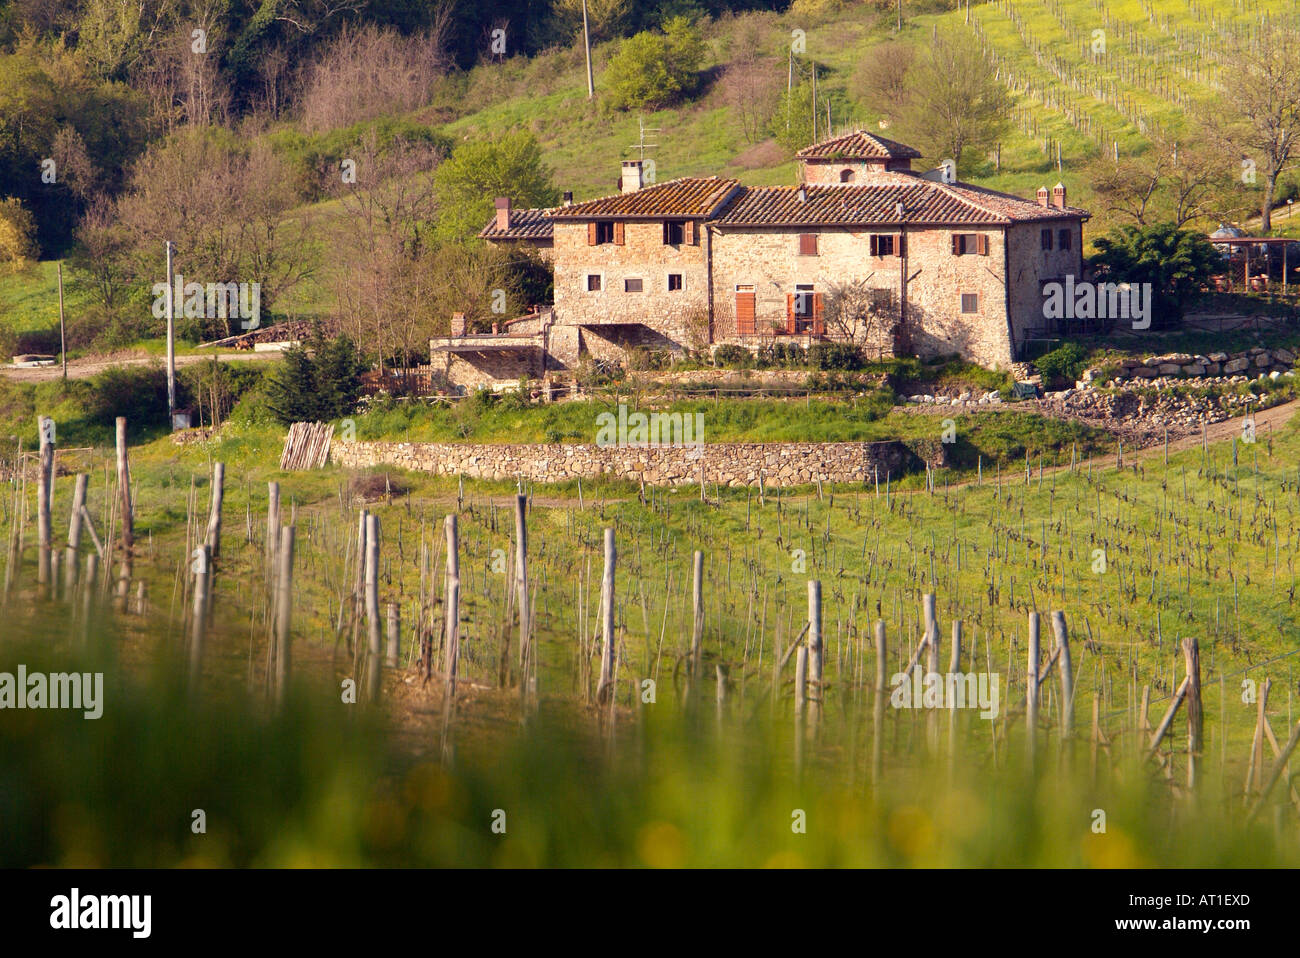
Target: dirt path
x: 85, y: 368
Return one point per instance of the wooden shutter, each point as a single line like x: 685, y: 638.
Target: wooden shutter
x: 956, y: 244
x: 982, y: 244
x: 807, y: 244
x: 898, y: 244
x: 745, y: 314
x: 618, y: 234
x: 818, y: 323
x: 789, y: 313
x: 689, y: 229
x: 591, y: 234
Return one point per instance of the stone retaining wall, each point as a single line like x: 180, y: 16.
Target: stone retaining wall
x: 728, y: 464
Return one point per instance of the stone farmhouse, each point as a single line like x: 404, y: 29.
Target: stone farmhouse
x: 946, y: 267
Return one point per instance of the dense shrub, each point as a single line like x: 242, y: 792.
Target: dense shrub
x: 1062, y: 365
x: 643, y: 359
x: 137, y: 392
x: 839, y: 356
x: 733, y: 357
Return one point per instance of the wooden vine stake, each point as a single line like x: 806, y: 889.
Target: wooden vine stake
x: 213, y: 537
x: 374, y: 629
x: 74, y: 533
x: 44, y: 493
x: 284, y: 615
x: 1195, y: 716
x: 605, y: 688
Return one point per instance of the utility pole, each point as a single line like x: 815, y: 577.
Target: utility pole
x: 814, y: 103
x: 171, y: 341
x: 63, y: 333
x: 586, y: 42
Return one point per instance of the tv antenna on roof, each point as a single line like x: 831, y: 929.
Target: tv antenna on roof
x: 641, y: 145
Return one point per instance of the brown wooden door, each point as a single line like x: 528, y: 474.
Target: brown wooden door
x: 744, y: 311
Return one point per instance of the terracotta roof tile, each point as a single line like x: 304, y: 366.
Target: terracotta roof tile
x: 858, y: 145
x: 925, y: 202
x: 689, y: 197
x: 524, y: 225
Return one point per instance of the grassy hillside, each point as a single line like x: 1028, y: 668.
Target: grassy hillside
x: 1159, y: 57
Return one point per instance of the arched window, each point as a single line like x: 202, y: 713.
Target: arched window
x: 846, y: 176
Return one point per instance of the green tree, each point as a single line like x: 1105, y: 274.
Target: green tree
x: 17, y: 235
x: 320, y: 381
x: 651, y: 70
x: 1176, y: 262
x: 791, y: 124
x: 478, y: 172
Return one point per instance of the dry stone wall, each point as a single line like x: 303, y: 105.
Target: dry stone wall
x: 727, y: 464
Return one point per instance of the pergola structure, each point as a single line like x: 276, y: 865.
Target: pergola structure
x: 1247, y: 245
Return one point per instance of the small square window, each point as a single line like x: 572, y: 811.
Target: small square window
x: 674, y: 233
x: 882, y: 244
x: 632, y: 285
x: 1047, y: 239
x: 604, y: 233
x: 674, y: 282
x: 970, y: 302
x: 593, y: 282
x: 1065, y: 239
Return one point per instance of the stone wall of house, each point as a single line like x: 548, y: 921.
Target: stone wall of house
x: 824, y: 172
x: 769, y: 260
x: 727, y: 464
x: 643, y: 256
x: 1031, y: 266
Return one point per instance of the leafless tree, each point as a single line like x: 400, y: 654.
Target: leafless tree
x: 860, y: 315
x: 751, y: 87
x: 1257, y: 118
x: 368, y: 71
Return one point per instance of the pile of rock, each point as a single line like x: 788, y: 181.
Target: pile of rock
x: 992, y: 397
x: 1216, y: 367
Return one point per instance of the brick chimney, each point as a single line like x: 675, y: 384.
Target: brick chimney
x: 458, y: 324
x: 631, y: 181
x: 1042, y: 196
x: 1058, y: 196
x: 503, y: 213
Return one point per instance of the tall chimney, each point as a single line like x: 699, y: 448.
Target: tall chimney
x: 631, y: 181
x: 568, y: 197
x: 1058, y: 196
x: 503, y: 213
x: 458, y: 324
x: 1042, y: 196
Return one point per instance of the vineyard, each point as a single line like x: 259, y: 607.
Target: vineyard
x: 1096, y: 78
x: 365, y: 668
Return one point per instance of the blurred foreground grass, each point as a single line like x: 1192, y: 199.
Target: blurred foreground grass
x: 323, y: 784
